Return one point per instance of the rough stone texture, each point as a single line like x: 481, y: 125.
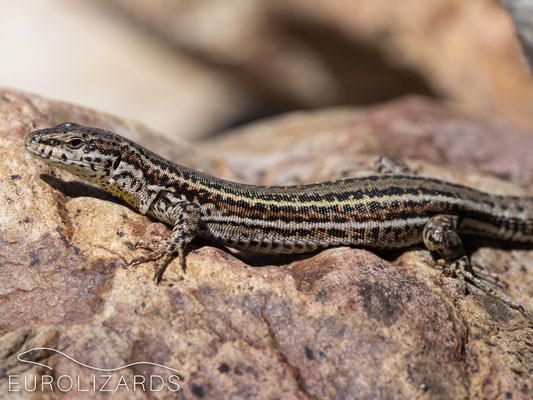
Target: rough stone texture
x: 309, y: 53
x: 341, y: 323
x: 411, y: 128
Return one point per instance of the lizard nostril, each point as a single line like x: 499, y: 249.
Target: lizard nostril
x: 29, y: 139
x: 33, y: 138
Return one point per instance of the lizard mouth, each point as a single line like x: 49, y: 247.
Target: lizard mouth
x: 45, y: 152
x: 31, y: 143
x: 34, y: 149
x: 41, y: 151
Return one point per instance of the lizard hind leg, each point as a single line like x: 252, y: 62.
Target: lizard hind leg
x: 440, y: 235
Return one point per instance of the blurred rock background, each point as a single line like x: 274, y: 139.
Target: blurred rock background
x: 191, y: 68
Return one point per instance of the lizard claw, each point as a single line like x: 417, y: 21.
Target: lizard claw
x: 156, y: 242
x: 158, y: 275
x: 135, y: 261
x: 162, y: 266
x: 140, y: 243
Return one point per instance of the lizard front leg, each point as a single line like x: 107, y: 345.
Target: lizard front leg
x: 391, y: 165
x: 186, y: 219
x: 440, y: 235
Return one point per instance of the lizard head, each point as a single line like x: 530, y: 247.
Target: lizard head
x: 90, y: 153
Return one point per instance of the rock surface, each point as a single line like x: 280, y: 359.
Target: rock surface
x: 341, y: 323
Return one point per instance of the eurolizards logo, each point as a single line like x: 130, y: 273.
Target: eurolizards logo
x: 102, y: 380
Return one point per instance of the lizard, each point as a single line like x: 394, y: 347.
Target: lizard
x: 388, y: 210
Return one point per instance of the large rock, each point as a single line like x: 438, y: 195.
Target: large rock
x: 341, y: 323
x: 310, y: 53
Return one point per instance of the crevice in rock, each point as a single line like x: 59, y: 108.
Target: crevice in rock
x: 295, y: 372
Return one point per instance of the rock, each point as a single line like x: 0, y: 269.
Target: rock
x: 522, y: 14
x: 91, y: 56
x: 341, y: 323
x: 299, y: 54
x: 291, y: 147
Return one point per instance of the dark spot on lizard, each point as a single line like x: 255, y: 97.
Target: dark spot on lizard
x: 116, y: 162
x: 14, y: 177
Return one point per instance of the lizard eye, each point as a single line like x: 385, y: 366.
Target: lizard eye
x: 75, y: 143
